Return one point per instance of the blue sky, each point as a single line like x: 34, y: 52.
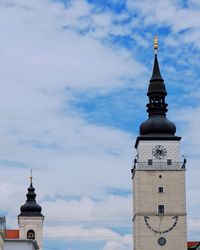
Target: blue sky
x: 74, y: 76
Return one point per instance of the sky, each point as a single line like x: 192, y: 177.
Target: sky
x: 74, y: 76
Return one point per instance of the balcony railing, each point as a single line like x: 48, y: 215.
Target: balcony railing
x: 159, y: 166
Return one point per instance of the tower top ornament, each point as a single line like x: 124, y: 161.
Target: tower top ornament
x: 155, y: 44
x: 31, y: 177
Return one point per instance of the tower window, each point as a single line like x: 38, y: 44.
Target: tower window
x: 30, y: 235
x: 161, y: 209
x: 160, y: 176
x: 150, y: 162
x: 169, y: 161
x: 160, y: 189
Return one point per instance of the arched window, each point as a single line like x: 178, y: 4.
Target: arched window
x: 31, y: 234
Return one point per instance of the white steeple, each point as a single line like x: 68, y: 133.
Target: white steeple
x: 30, y: 219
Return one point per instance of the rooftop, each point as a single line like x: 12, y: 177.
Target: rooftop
x: 12, y: 234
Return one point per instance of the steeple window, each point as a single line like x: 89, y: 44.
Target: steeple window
x: 31, y: 234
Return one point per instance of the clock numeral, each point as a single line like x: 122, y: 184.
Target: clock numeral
x: 159, y: 152
x: 147, y: 218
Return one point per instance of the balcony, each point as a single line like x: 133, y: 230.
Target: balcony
x: 159, y: 165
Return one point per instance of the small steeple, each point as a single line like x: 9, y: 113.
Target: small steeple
x: 31, y: 208
x: 157, y: 107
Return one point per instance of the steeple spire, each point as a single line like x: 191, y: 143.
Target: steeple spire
x: 31, y: 208
x: 156, y: 91
x: 157, y: 107
x: 156, y: 76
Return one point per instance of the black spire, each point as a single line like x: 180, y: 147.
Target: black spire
x: 156, y: 76
x: 31, y: 208
x: 156, y: 92
x: 157, y: 124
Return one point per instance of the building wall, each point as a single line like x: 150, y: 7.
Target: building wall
x: 146, y: 239
x: 34, y: 223
x: 147, y: 222
x: 2, y: 231
x: 149, y: 226
x: 1, y: 241
x: 144, y: 150
x: 19, y: 245
x: 146, y: 195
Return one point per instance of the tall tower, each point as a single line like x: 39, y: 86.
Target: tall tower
x: 159, y: 199
x: 30, y: 219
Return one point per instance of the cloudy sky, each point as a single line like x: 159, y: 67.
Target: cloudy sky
x: 73, y: 77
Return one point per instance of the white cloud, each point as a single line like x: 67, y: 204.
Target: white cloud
x: 111, y: 211
x: 38, y: 61
x: 79, y: 233
x: 69, y: 156
x: 93, y: 156
x: 43, y: 57
x: 114, y: 241
x: 172, y: 14
x: 89, y: 220
x: 62, y: 57
x: 124, y: 244
x: 194, y: 223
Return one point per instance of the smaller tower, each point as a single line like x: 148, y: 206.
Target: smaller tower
x: 30, y: 219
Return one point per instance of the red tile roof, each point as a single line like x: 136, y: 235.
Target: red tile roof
x: 193, y: 244
x: 12, y: 234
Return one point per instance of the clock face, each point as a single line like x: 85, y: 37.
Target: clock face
x: 159, y: 152
x: 155, y: 224
x: 162, y: 241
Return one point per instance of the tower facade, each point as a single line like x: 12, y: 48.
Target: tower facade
x: 30, y: 219
x: 159, y: 199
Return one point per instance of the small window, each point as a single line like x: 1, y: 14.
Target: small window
x: 150, y: 162
x: 160, y: 189
x: 169, y: 161
x: 160, y: 176
x: 161, y: 209
x: 30, y: 235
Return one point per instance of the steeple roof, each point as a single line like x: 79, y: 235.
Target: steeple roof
x: 156, y: 76
x: 157, y: 124
x: 31, y: 208
x: 156, y: 85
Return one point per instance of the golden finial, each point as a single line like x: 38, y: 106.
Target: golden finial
x: 155, y: 44
x: 31, y: 176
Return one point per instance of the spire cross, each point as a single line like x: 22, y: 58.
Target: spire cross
x: 155, y: 44
x: 31, y: 176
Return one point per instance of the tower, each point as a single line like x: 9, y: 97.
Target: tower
x: 159, y: 201
x: 30, y: 219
